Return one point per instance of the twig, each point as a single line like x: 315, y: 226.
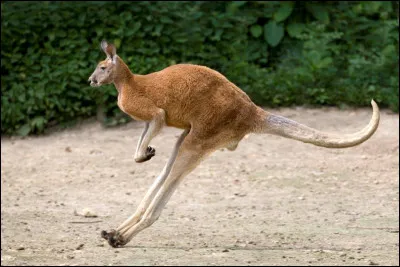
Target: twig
x: 86, y: 222
x: 390, y: 229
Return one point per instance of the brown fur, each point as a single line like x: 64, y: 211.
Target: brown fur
x: 213, y: 112
x: 194, y: 97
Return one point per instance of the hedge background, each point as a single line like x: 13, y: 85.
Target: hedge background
x: 280, y: 53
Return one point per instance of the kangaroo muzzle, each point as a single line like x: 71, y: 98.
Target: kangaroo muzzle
x: 93, y: 81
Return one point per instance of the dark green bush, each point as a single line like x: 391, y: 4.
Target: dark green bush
x: 280, y: 53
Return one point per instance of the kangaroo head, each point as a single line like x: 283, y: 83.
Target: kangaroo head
x: 106, y: 69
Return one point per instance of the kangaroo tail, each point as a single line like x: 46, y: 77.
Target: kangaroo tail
x: 282, y: 126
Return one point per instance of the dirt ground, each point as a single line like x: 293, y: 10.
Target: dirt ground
x: 273, y: 201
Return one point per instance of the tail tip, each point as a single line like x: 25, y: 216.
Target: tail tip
x: 373, y: 103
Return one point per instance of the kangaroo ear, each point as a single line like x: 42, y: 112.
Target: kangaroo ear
x: 110, y: 50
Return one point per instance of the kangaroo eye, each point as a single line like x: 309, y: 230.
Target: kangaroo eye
x: 103, y: 68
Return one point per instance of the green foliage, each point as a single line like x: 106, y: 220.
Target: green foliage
x: 281, y: 53
x: 273, y: 33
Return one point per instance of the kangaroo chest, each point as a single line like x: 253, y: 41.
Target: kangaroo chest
x: 122, y: 107
x: 119, y: 102
x: 127, y: 108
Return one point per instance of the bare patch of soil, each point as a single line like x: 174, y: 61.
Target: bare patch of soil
x: 273, y: 201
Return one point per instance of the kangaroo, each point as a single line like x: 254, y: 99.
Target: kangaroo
x: 213, y: 113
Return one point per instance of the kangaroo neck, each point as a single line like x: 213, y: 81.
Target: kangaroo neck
x: 123, y: 77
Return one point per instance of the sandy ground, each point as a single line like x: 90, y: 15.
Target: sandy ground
x: 273, y: 201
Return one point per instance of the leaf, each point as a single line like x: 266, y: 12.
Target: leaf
x: 318, y: 11
x: 256, y: 30
x: 61, y: 33
x: 314, y: 57
x: 127, y: 16
x: 217, y: 35
x: 117, y: 43
x: 38, y: 122
x: 387, y: 6
x: 21, y: 97
x: 165, y: 19
x: 389, y: 50
x: 284, y: 11
x: 157, y: 30
x: 325, y: 62
x: 181, y: 39
x: 295, y: 29
x: 234, y: 6
x: 132, y: 30
x: 24, y: 130
x: 238, y: 3
x: 273, y: 33
x: 99, y: 31
x: 372, y: 7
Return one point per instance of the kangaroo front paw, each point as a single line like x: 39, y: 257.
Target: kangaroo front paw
x: 114, y: 238
x: 150, y: 152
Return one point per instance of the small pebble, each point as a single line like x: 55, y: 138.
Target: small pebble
x: 86, y: 212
